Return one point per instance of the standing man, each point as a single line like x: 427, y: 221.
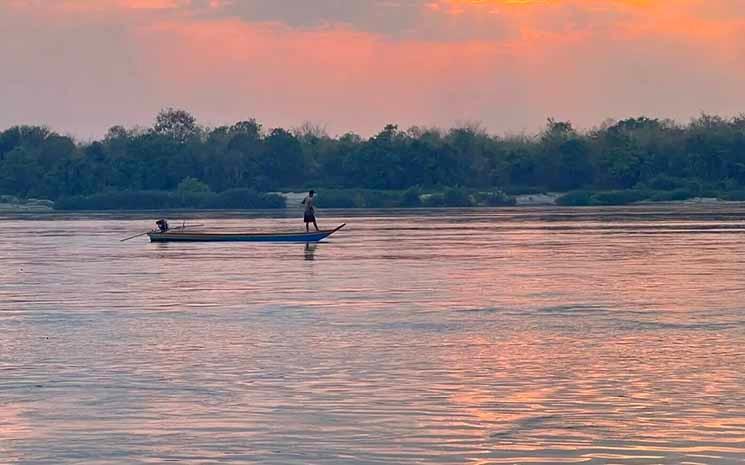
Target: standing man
x: 310, y: 211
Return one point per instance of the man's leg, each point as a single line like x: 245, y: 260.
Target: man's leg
x: 315, y: 224
x: 307, y: 227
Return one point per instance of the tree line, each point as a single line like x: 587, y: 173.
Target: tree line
x: 176, y: 154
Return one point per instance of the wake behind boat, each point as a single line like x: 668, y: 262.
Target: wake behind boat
x: 189, y: 236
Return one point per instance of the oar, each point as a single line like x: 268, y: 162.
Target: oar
x: 177, y: 227
x: 132, y: 237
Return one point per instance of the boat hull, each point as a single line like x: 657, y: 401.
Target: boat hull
x: 183, y: 236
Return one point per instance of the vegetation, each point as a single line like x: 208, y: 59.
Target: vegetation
x: 625, y: 197
x: 178, y: 163
x: 410, y: 198
x: 234, y: 199
x: 12, y: 203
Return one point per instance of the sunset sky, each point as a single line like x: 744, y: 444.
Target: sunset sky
x: 81, y: 66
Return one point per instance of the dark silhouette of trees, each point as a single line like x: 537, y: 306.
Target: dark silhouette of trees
x: 178, y: 155
x: 177, y: 125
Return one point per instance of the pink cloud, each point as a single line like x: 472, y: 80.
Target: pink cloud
x: 507, y: 63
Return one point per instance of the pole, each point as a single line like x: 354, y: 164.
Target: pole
x: 132, y: 237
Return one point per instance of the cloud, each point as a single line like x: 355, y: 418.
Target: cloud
x: 377, y: 16
x: 83, y: 65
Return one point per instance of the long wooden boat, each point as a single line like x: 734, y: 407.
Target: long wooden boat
x: 186, y: 236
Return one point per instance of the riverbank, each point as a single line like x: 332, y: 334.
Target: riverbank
x: 456, y: 197
x: 248, y: 199
x: 11, y: 204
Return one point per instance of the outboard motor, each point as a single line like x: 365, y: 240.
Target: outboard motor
x: 162, y: 225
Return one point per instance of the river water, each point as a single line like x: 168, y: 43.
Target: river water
x: 499, y: 336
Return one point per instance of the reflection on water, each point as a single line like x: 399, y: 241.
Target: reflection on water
x: 310, y: 250
x: 476, y: 336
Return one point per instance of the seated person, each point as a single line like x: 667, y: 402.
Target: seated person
x: 162, y: 225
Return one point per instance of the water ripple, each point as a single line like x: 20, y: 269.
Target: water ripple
x: 583, y: 336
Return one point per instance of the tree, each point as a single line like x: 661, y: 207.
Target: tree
x: 249, y: 128
x: 178, y: 125
x: 176, y: 154
x: 192, y: 185
x: 283, y: 160
x: 19, y: 173
x: 575, y: 168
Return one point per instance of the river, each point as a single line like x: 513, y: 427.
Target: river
x: 485, y: 336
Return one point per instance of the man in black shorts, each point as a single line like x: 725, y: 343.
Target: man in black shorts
x: 310, y: 211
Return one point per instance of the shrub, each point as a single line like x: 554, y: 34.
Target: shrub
x: 191, y: 185
x: 524, y: 190
x: 411, y: 198
x: 495, y: 199
x: 586, y: 198
x: 624, y: 197
x: 195, y: 199
x: 125, y: 200
x: 10, y: 199
x: 575, y: 199
x: 450, y: 198
x: 362, y: 198
x: 335, y: 199
x: 433, y: 200
x: 162, y: 200
x: 381, y: 199
x: 709, y: 193
x: 667, y: 183
x: 671, y: 196
x: 734, y: 196
x: 244, y: 199
x: 457, y: 198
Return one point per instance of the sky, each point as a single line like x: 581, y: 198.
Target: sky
x: 82, y: 66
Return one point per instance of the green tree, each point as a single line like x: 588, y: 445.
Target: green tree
x: 178, y: 125
x: 19, y: 173
x: 191, y: 186
x: 283, y: 160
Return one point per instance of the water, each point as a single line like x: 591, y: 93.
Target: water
x: 479, y: 336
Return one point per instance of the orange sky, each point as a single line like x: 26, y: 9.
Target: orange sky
x: 84, y: 65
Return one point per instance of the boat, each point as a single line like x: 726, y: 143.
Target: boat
x: 188, y: 236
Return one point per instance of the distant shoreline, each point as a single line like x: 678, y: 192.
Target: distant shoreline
x: 179, y: 164
x: 12, y: 204
x: 292, y: 202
